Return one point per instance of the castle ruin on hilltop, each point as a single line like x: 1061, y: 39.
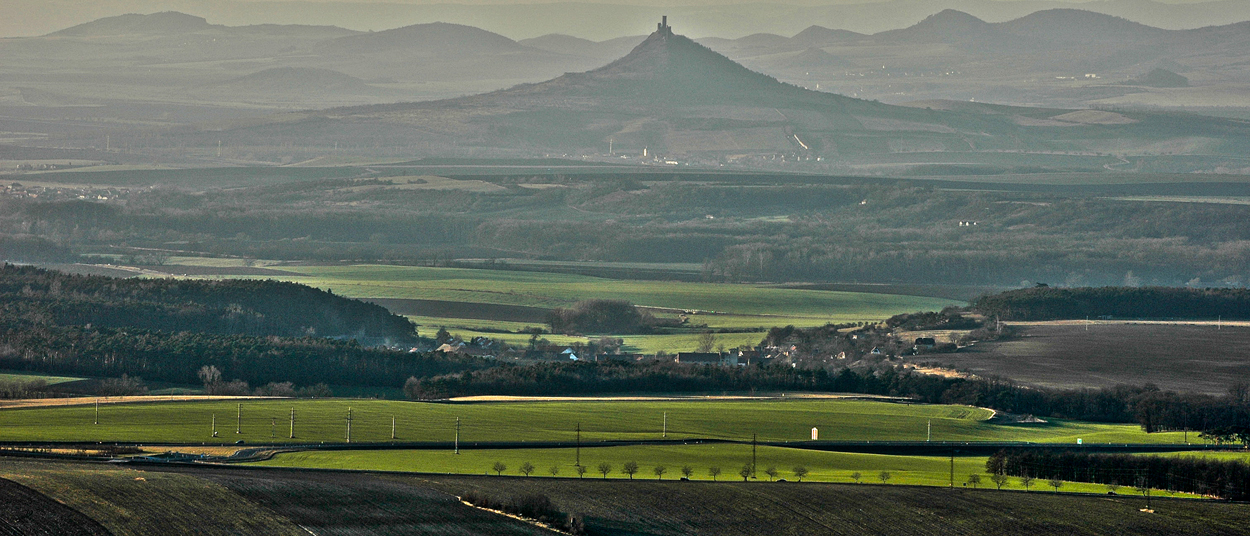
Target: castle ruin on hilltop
x: 663, y: 28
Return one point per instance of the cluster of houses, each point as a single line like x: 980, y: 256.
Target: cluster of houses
x: 20, y: 191
x: 484, y: 347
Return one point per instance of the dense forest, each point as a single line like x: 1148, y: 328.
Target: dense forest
x: 31, y: 297
x: 1229, y: 479
x: 177, y: 357
x: 741, y: 228
x: 1049, y: 303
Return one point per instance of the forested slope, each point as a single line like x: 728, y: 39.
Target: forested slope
x: 36, y: 297
x: 1047, y: 303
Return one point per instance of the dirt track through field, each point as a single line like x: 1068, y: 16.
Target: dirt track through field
x: 86, y: 401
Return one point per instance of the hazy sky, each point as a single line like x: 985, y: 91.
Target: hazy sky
x: 601, y: 19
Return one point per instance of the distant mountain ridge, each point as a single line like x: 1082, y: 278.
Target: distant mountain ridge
x: 167, y: 22
x: 437, y: 38
x: 673, y: 96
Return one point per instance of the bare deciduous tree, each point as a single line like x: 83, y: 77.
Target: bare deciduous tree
x: 714, y: 472
x: 605, y: 468
x: 707, y: 341
x: 498, y: 468
x: 630, y: 468
x: 799, y: 472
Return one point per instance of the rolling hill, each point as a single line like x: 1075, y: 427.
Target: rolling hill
x: 677, y: 98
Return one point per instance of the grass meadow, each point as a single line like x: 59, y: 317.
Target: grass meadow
x: 268, y: 420
x: 701, y: 458
x: 750, y: 310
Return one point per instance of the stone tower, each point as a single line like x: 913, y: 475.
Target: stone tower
x: 663, y: 28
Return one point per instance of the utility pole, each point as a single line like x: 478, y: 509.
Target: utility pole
x: 273, y: 427
x: 577, y: 462
x: 238, y: 424
x: 929, y: 433
x: 292, y: 423
x: 664, y: 434
x: 392, y: 427
x: 457, y: 435
x: 97, y: 411
x: 214, y: 425
x: 349, y: 425
x: 952, y: 468
x: 753, y: 456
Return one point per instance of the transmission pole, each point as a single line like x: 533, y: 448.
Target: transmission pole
x: 952, y: 468
x: 753, y: 456
x: 457, y: 435
x: 349, y: 425
x: 214, y: 425
x: 97, y: 411
x: 238, y: 425
x: 665, y: 430
x: 292, y: 423
x: 392, y: 427
x: 578, y: 460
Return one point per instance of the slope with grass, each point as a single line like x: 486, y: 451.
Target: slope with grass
x: 266, y: 421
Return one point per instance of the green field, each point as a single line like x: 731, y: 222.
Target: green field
x: 325, y: 420
x: 730, y: 458
x: 748, y: 308
x: 7, y: 377
x: 561, y: 290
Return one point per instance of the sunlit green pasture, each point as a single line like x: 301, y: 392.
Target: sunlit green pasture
x: 561, y: 290
x: 714, y: 305
x: 9, y: 377
x: 325, y: 420
x: 701, y: 458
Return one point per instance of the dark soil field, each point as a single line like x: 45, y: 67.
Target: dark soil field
x: 149, y: 499
x: 1196, y: 358
x: 329, y: 504
x: 768, y: 508
x: 25, y: 511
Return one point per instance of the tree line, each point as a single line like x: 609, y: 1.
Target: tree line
x: 176, y: 357
x: 1050, y: 303
x: 1153, y: 409
x: 1227, y: 479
